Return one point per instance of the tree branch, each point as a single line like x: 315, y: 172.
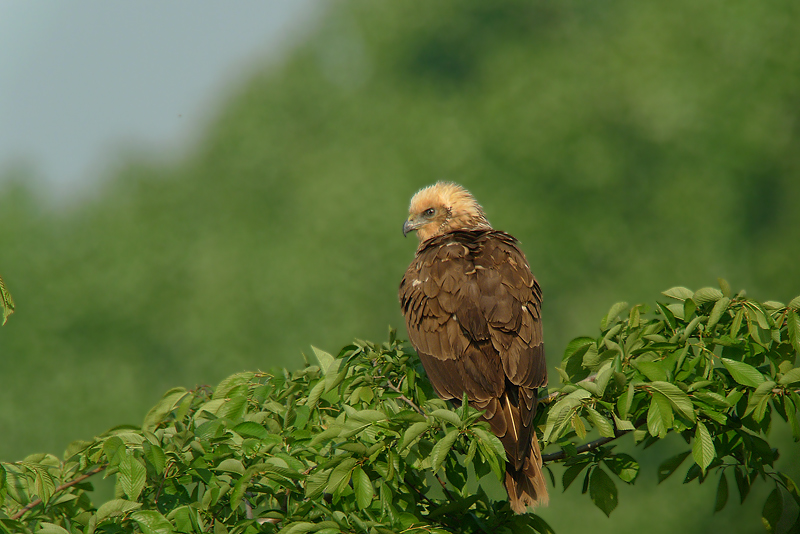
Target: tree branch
x: 62, y: 487
x: 592, y: 445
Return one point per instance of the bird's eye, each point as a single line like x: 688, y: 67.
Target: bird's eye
x: 429, y: 212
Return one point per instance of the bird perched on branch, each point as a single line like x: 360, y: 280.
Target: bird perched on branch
x: 473, y: 313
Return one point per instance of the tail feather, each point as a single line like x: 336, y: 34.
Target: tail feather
x: 527, y: 487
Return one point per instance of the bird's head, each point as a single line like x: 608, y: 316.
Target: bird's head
x: 443, y: 207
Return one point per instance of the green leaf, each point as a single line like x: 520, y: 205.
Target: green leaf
x: 325, y: 360
x: 659, y: 416
x: 363, y: 488
x: 703, y: 450
x: 602, y: 424
x: 706, y: 295
x: 131, y: 476
x: 679, y: 400
x: 744, y: 374
x: 793, y: 326
x: 758, y: 403
x: 491, y: 441
x: 152, y: 522
x: 226, y: 386
x: 678, y: 293
x: 773, y: 508
x: 249, y: 429
x: 654, y: 371
x: 669, y: 465
x: 340, y: 475
x: 448, y: 416
x: 155, y: 455
x: 116, y: 507
x: 722, y: 493
x: 791, y: 416
x: 159, y: 412
x: 791, y: 377
x: 231, y: 465
x: 413, y: 432
x: 624, y: 466
x: 716, y: 313
x: 6, y: 301
x: 603, y: 491
x: 571, y: 473
x: 441, y: 448
x: 612, y: 314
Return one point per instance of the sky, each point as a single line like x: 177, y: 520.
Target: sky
x: 82, y: 81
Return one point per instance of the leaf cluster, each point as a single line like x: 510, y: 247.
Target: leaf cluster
x: 716, y: 368
x: 357, y: 443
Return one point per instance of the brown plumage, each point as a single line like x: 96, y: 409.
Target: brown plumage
x: 473, y: 312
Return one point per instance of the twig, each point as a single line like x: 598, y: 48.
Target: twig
x: 560, y: 455
x: 417, y: 408
x: 62, y: 487
x: 403, y: 397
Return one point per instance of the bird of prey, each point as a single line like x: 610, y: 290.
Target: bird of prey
x: 473, y: 313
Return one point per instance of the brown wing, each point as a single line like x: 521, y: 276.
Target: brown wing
x: 472, y: 309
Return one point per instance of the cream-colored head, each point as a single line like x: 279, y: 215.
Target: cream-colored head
x: 443, y: 207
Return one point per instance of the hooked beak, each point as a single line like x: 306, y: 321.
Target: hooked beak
x: 409, y: 226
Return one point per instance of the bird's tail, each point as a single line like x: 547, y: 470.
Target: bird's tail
x: 527, y: 487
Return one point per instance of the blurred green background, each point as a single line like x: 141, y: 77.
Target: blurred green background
x: 630, y: 146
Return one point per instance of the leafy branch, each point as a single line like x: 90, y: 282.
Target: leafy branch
x: 360, y: 443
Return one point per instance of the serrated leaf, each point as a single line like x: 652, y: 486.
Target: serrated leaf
x: 794, y: 303
x: 231, y: 465
x: 744, y: 374
x: 169, y: 401
x: 793, y: 326
x: 362, y: 487
x: 249, y: 429
x: 720, y: 307
x: 603, y: 491
x: 233, y: 381
x: 448, y: 416
x: 613, y: 313
x: 155, y: 455
x: 413, y: 432
x: 790, y: 377
x: 654, y: 371
x: 340, y: 475
x: 491, y: 441
x: 325, y: 359
x: 598, y: 421
x: 131, y: 476
x: 722, y: 493
x: 679, y: 400
x: 706, y: 295
x: 669, y: 465
x: 152, y: 522
x: 116, y: 507
x: 703, y: 450
x: 678, y: 293
x: 659, y: 416
x: 442, y: 448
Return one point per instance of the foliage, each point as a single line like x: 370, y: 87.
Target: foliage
x: 715, y: 368
x: 6, y: 302
x: 359, y: 443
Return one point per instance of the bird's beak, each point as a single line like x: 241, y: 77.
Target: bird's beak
x: 409, y: 226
